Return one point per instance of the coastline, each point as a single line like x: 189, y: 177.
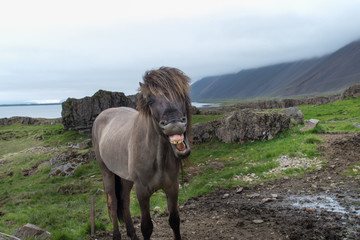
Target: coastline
x: 50, y: 110
x: 28, y: 104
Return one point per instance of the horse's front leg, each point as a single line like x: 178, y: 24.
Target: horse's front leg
x: 144, y: 201
x: 172, y: 202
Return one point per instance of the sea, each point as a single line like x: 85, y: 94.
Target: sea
x: 53, y: 110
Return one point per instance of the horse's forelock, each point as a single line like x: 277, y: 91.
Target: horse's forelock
x: 167, y: 82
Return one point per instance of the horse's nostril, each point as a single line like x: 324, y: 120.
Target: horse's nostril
x: 184, y: 119
x: 163, y: 123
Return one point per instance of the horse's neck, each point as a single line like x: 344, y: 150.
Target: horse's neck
x: 147, y: 126
x: 151, y: 134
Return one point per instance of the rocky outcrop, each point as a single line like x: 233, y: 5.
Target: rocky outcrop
x: 295, y: 114
x: 79, y: 114
x: 28, y: 121
x: 242, y: 126
x: 69, y: 162
x: 204, y: 132
x: 353, y: 92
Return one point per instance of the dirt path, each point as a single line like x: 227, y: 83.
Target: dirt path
x: 319, y: 205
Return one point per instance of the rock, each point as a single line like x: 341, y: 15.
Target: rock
x: 264, y: 200
x: 258, y: 221
x: 64, y: 170
x: 249, y: 125
x: 239, y: 190
x: 31, y: 231
x: 274, y: 195
x: 71, y: 161
x: 82, y: 145
x: 28, y: 121
x: 204, y: 132
x: 242, y: 126
x: 353, y: 91
x: 99, y: 191
x: 357, y: 125
x: 310, y: 210
x: 195, y: 110
x: 254, y: 195
x: 226, y: 195
x: 311, y: 124
x: 79, y: 114
x: 295, y: 114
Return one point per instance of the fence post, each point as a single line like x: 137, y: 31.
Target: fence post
x: 92, y: 215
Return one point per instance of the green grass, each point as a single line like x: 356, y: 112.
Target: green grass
x: 61, y: 205
x: 257, y: 158
x: 339, y: 116
x: 204, y: 118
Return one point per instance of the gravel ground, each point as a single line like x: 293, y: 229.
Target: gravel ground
x: 322, y: 204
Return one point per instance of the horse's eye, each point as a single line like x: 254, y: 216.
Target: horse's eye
x: 150, y: 100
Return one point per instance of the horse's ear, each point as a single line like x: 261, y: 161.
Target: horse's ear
x: 141, y: 84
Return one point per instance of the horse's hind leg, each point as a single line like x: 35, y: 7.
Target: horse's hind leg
x: 109, y: 187
x: 172, y: 202
x: 125, y: 195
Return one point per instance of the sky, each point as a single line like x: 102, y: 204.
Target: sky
x: 52, y: 50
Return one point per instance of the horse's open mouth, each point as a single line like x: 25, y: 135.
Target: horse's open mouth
x: 178, y: 141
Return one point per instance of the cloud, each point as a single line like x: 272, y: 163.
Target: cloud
x: 55, y: 50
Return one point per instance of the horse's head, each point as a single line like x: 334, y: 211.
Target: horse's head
x: 164, y: 97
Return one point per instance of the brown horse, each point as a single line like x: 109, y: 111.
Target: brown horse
x: 145, y: 149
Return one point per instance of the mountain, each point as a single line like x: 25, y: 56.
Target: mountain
x: 330, y: 73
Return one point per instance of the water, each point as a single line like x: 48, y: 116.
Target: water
x: 53, y: 111
x: 35, y: 111
x: 325, y: 202
x: 200, y: 105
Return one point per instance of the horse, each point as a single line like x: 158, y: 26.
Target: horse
x: 144, y: 148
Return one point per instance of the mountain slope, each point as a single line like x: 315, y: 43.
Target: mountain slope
x: 332, y: 72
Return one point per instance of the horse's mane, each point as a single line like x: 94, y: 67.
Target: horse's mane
x: 167, y: 82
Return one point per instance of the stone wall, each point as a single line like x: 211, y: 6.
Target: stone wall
x: 79, y: 114
x: 276, y: 103
x: 353, y: 91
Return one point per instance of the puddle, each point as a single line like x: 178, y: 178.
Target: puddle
x: 325, y: 203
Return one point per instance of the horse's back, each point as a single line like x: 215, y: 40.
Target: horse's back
x: 111, y: 131
x: 111, y: 116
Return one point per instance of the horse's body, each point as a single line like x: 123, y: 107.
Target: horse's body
x: 144, y: 149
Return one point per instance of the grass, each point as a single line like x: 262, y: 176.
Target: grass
x: 61, y: 205
x: 204, y: 118
x: 339, y: 116
x: 240, y: 160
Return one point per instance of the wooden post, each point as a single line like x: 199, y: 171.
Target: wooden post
x: 92, y: 215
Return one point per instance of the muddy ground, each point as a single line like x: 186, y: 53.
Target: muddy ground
x: 324, y: 204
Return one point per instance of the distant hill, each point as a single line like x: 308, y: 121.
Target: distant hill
x: 330, y: 73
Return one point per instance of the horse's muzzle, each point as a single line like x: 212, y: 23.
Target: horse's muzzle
x: 176, y: 131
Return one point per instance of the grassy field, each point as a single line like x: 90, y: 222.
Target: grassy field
x: 61, y: 205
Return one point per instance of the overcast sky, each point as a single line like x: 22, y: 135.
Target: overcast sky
x: 52, y: 50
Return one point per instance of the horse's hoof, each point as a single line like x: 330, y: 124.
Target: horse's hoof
x: 116, y: 235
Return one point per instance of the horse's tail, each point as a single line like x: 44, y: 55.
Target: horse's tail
x: 118, y: 192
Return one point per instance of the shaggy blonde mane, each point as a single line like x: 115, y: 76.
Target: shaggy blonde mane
x: 170, y: 83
